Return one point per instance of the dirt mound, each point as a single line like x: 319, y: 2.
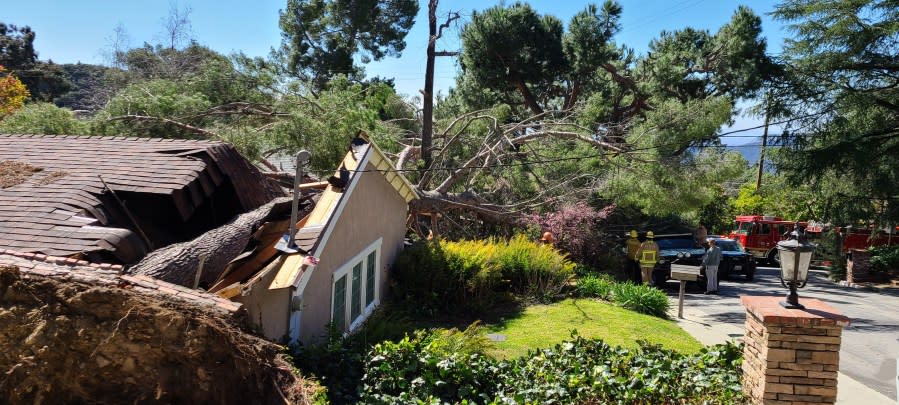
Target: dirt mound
x: 77, y: 343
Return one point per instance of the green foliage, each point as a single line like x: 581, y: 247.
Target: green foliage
x: 885, y: 258
x: 641, y: 298
x: 155, y: 98
x: 830, y: 249
x: 43, y: 119
x: 426, y: 367
x: 576, y: 371
x: 531, y: 269
x: 91, y: 86
x: 338, y: 362
x: 718, y: 215
x: 779, y: 198
x: 841, y: 87
x: 321, y: 37
x: 596, y: 286
x: 324, y: 124
x: 449, y: 276
x: 45, y: 80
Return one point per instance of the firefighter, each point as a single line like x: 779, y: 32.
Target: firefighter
x: 633, y: 265
x: 649, y: 255
x: 547, y: 238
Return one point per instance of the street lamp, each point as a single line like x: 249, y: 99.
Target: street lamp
x: 795, y: 258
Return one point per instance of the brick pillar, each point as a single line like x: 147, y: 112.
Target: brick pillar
x: 858, y: 268
x: 791, y: 356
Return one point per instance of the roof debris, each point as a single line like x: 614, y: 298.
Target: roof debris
x: 13, y: 173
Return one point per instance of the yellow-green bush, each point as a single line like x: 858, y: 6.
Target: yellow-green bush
x: 471, y: 273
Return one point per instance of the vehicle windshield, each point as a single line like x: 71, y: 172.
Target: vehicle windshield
x: 666, y: 244
x: 743, y: 228
x: 727, y: 245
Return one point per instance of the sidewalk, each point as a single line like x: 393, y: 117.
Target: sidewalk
x: 707, y: 332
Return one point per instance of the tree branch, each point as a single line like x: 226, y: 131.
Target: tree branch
x: 189, y: 128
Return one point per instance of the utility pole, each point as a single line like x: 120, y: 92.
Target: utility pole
x: 435, y: 32
x: 758, y: 179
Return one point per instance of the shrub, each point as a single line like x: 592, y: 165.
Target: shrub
x: 641, y: 298
x: 443, y: 367
x: 338, y: 362
x: 578, y: 230
x: 431, y: 280
x: 885, y: 258
x: 440, y: 276
x: 596, y: 286
x: 534, y: 270
x: 576, y: 371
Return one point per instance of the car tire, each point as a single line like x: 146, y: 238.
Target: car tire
x: 750, y: 273
x: 773, y: 258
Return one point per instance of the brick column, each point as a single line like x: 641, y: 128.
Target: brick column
x: 858, y: 268
x: 791, y: 356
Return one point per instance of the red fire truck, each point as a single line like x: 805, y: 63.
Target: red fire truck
x: 760, y: 234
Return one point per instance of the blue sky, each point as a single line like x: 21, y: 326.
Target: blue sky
x: 71, y: 31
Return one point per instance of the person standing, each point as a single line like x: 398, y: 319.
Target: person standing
x: 633, y: 265
x: 649, y: 255
x: 710, y: 260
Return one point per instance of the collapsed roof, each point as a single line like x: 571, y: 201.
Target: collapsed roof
x: 113, y: 199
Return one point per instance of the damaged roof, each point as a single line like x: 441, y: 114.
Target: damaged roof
x: 53, y: 199
x: 326, y: 213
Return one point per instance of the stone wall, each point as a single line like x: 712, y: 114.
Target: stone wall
x: 791, y: 356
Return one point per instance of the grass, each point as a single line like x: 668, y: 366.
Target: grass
x: 540, y: 326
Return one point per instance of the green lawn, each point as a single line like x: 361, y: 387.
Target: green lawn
x: 541, y: 326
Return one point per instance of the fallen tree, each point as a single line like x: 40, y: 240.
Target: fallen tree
x: 65, y: 341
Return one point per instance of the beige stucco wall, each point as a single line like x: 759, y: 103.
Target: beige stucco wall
x: 268, y: 309
x: 374, y: 210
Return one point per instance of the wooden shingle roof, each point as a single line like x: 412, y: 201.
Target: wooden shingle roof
x: 64, y: 208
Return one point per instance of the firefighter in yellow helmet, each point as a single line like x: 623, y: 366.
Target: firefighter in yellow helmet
x: 648, y: 255
x: 633, y: 265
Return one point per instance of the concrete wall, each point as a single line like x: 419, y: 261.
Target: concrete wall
x: 374, y: 210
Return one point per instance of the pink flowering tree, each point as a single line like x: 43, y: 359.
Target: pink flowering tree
x: 577, y: 229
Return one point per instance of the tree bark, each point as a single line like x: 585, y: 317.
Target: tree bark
x: 427, y: 125
x: 529, y: 99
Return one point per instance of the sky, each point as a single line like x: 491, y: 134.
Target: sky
x: 82, y: 31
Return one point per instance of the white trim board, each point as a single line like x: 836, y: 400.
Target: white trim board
x: 335, y: 217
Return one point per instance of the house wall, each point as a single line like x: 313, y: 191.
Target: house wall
x: 374, y: 210
x: 268, y: 309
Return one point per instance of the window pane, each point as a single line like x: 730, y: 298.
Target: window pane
x: 370, y: 278
x: 339, y: 314
x: 356, y: 302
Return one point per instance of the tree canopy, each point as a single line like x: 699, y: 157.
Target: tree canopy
x: 45, y: 80
x: 842, y: 91
x: 544, y: 112
x: 321, y: 37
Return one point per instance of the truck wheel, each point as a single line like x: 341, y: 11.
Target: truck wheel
x: 750, y: 273
x: 773, y: 258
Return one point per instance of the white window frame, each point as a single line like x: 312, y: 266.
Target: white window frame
x: 346, y: 270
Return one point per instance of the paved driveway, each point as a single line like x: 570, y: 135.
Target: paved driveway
x: 870, y: 345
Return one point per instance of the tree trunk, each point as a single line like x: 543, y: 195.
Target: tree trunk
x: 427, y: 126
x: 529, y: 99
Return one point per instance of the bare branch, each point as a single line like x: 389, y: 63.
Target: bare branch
x: 189, y: 128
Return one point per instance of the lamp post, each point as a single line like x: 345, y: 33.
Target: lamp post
x: 795, y: 258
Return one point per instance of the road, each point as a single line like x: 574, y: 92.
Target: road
x: 870, y: 345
